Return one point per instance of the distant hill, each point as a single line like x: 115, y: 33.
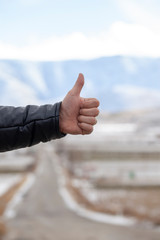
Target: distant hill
x: 118, y: 82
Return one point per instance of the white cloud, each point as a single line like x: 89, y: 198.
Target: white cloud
x: 121, y: 39
x: 142, y: 12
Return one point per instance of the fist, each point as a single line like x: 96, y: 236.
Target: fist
x: 77, y: 114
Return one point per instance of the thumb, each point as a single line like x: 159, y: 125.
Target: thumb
x: 78, y: 85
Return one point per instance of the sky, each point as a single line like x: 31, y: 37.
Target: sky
x: 78, y: 29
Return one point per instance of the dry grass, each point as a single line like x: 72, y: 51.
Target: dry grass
x: 4, y: 200
x: 80, y: 198
x: 2, y: 230
x: 141, y: 203
x: 109, y: 209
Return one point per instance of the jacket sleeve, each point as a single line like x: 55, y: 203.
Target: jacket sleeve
x: 26, y: 126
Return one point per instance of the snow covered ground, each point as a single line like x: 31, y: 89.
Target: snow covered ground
x: 16, y: 161
x: 116, y: 170
x: 7, y: 181
x: 15, y: 167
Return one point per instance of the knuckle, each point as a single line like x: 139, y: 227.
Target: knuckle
x: 91, y: 129
x: 95, y: 121
x: 96, y: 112
x: 81, y: 111
x: 80, y: 118
x: 98, y: 103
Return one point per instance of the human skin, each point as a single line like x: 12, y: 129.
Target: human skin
x: 77, y: 114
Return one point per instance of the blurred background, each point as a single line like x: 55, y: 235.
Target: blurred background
x: 102, y: 186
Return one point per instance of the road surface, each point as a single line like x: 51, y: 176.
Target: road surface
x: 43, y: 215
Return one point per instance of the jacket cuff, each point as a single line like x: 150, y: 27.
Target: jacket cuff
x: 59, y: 134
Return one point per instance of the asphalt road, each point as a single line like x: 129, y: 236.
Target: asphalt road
x: 42, y: 215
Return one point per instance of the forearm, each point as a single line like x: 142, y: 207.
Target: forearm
x: 23, y: 127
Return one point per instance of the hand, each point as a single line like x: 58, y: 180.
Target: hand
x: 77, y: 114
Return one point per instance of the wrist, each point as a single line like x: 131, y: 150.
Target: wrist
x: 61, y: 121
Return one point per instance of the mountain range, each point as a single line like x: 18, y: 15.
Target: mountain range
x: 119, y: 82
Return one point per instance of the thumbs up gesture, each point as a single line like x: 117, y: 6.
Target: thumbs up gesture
x: 77, y: 114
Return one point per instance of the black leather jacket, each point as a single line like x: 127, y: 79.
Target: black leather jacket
x: 25, y: 126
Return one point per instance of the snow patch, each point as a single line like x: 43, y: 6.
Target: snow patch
x: 10, y: 211
x: 6, y: 182
x: 71, y: 203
